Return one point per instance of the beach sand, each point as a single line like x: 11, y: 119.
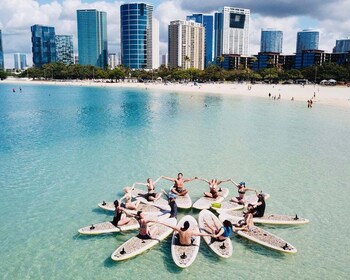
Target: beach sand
x: 328, y: 95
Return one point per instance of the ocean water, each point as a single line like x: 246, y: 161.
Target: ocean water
x: 64, y: 149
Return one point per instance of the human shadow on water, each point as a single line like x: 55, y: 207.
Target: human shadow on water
x: 101, y: 211
x: 79, y: 236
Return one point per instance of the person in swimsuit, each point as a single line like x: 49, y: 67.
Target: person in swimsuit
x: 241, y: 192
x: 119, y: 218
x: 247, y: 223
x: 213, y: 183
x: 151, y: 194
x: 172, y: 203
x: 127, y: 199
x: 179, y: 182
x: 220, y: 233
x: 185, y: 235
x: 144, y: 231
x: 259, y: 206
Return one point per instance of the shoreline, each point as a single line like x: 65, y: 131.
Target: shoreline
x: 326, y: 95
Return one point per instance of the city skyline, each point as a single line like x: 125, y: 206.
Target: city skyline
x: 288, y: 17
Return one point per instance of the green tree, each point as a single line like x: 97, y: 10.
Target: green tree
x: 3, y: 75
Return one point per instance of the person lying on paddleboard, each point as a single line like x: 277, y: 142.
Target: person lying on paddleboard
x: 259, y: 206
x: 220, y: 232
x: 119, y: 218
x: 144, y: 232
x: 127, y: 199
x: 185, y: 235
x: 241, y: 192
x: 172, y: 203
x: 151, y: 194
x: 213, y: 184
x: 247, y: 223
x: 179, y: 182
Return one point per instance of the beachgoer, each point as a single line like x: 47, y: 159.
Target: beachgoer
x: 127, y: 199
x: 247, y: 223
x: 119, y: 218
x: 213, y: 183
x: 308, y: 104
x: 179, y: 182
x: 151, y: 194
x: 172, y: 203
x: 221, y: 233
x: 144, y: 232
x: 311, y: 102
x: 185, y: 235
x: 241, y: 192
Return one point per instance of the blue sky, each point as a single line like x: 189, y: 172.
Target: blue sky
x: 331, y: 18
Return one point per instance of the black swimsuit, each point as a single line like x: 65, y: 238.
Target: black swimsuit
x: 116, y: 218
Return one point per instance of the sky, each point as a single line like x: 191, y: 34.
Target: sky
x: 331, y: 18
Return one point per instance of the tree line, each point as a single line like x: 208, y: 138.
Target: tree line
x: 212, y: 73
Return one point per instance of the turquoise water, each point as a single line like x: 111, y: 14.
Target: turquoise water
x: 64, y: 149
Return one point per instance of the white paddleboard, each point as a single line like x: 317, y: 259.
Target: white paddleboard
x: 184, y: 256
x: 146, y: 208
x: 261, y: 236
x: 108, y: 227
x: 183, y: 202
x: 136, y: 245
x: 224, y: 248
x: 227, y: 205
x: 160, y: 202
x: 205, y: 202
x: 272, y: 219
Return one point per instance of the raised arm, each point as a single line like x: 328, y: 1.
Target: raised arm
x: 190, y: 179
x: 167, y: 225
x: 204, y: 180
x: 233, y: 182
x: 223, y: 181
x: 156, y: 181
x: 166, y: 194
x: 196, y: 233
x: 142, y: 184
x: 168, y: 178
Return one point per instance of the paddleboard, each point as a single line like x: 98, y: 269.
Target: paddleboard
x: 226, y: 206
x: 146, y: 208
x: 205, y: 202
x: 108, y: 227
x: 184, y: 256
x: 224, y: 248
x: 136, y: 245
x: 262, y: 237
x: 183, y: 202
x: 272, y: 219
x: 160, y: 202
x: 252, y: 199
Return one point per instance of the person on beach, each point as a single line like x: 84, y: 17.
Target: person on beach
x: 247, y: 223
x: 241, y: 192
x: 220, y: 233
x: 179, y: 182
x: 185, y: 235
x: 151, y: 194
x: 213, y: 184
x: 127, y: 199
x: 172, y: 203
x: 119, y: 218
x: 144, y: 232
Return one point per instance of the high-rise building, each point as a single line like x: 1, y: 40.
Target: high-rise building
x: 232, y: 31
x: 2, y: 66
x: 139, y: 33
x: 112, y: 61
x: 165, y: 60
x: 64, y: 49
x: 20, y: 61
x: 307, y: 39
x: 186, y: 44
x: 43, y: 45
x: 92, y: 38
x: 208, y: 22
x: 342, y: 46
x: 271, y: 40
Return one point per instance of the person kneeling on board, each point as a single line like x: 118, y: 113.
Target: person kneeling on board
x: 220, y: 233
x: 179, y: 182
x: 247, y: 223
x: 185, y: 236
x: 151, y: 194
x: 172, y: 203
x: 119, y: 218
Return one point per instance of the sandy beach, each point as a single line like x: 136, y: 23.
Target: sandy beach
x: 328, y: 95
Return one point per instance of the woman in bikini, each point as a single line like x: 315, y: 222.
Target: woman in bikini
x: 127, y: 199
x: 151, y: 194
x: 241, y: 192
x: 213, y: 183
x: 144, y: 231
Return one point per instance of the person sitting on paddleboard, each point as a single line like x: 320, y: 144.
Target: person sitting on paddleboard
x: 151, y: 194
x: 144, y: 231
x: 119, y: 218
x: 213, y: 183
x: 179, y: 182
x: 259, y: 206
x: 172, y: 203
x: 247, y: 223
x: 127, y: 199
x: 241, y: 192
x: 220, y: 232
x: 185, y: 235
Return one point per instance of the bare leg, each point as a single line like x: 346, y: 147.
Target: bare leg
x: 124, y: 221
x: 183, y: 193
x: 157, y: 196
x: 208, y: 194
x: 234, y: 199
x: 212, y: 229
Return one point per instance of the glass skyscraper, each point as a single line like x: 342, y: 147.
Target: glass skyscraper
x: 307, y: 39
x: 92, y: 38
x: 43, y: 45
x: 20, y: 60
x: 139, y: 33
x: 271, y: 41
x: 1, y: 53
x: 208, y: 22
x: 342, y: 46
x: 64, y: 49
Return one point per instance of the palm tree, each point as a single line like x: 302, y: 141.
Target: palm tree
x: 187, y: 59
x: 220, y: 59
